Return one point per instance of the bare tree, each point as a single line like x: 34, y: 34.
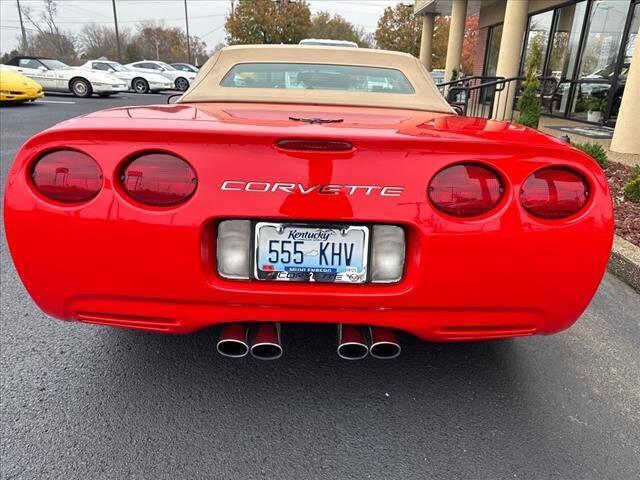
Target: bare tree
x: 155, y: 41
x: 49, y: 40
x: 100, y: 41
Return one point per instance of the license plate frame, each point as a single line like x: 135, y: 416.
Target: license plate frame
x: 351, y: 276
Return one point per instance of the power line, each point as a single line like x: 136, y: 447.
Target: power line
x: 90, y: 11
x: 16, y: 27
x: 212, y: 31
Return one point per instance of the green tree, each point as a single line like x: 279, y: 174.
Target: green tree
x: 268, y: 21
x: 131, y: 53
x: 399, y: 29
x: 334, y: 27
x: 441, y: 39
x: 528, y: 103
x: 469, y: 44
x: 9, y: 55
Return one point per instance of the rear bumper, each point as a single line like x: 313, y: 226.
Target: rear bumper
x: 160, y: 277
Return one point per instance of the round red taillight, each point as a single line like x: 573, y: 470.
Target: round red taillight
x: 466, y: 190
x: 554, y: 192
x: 67, y: 176
x: 159, y: 179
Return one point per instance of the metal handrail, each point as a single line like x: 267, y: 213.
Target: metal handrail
x: 463, y: 79
x: 461, y: 94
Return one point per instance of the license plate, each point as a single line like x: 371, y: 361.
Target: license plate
x: 309, y: 253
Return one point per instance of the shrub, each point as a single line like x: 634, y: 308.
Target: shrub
x: 595, y: 151
x: 528, y: 103
x: 632, y: 189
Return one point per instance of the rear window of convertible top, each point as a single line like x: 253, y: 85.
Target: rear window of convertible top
x: 312, y: 76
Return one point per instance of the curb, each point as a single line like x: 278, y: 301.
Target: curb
x: 625, y: 262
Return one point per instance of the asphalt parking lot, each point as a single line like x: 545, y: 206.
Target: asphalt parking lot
x: 82, y: 401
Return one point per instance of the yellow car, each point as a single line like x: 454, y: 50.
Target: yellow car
x: 15, y: 87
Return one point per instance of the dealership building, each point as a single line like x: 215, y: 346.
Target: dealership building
x: 587, y: 50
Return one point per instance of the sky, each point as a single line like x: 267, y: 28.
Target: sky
x: 206, y: 17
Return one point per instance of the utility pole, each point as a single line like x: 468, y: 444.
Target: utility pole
x: 186, y: 19
x: 115, y: 21
x: 24, y: 32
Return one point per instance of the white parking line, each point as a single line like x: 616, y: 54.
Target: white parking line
x: 141, y: 95
x: 54, y: 101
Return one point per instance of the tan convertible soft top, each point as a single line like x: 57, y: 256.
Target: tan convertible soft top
x: 206, y: 87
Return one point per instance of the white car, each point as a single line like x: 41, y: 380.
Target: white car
x: 138, y: 81
x: 55, y: 76
x: 181, y: 80
x: 185, y: 67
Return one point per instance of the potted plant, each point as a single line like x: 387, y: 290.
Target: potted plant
x: 595, y: 108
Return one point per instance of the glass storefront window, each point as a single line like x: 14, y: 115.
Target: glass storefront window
x: 605, y: 28
x: 586, y: 46
x: 590, y: 100
x: 564, y: 52
x: 538, y: 34
x: 564, y: 44
x: 493, y: 48
x: 604, y: 34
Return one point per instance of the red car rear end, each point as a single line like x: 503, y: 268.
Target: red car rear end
x: 505, y: 231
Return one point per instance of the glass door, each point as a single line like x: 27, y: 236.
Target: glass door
x: 598, y: 65
x: 563, y: 53
x: 537, y: 37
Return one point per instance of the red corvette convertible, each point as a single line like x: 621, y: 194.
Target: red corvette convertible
x: 308, y: 184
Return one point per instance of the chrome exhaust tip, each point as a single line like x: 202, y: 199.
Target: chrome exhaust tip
x: 266, y: 342
x: 352, y: 344
x: 232, y: 341
x: 384, y: 343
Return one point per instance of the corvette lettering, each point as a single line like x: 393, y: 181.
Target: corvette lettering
x: 350, y: 190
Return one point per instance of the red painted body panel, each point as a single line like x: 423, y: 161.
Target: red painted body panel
x: 116, y: 262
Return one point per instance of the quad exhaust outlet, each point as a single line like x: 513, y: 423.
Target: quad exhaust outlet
x: 262, y: 341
